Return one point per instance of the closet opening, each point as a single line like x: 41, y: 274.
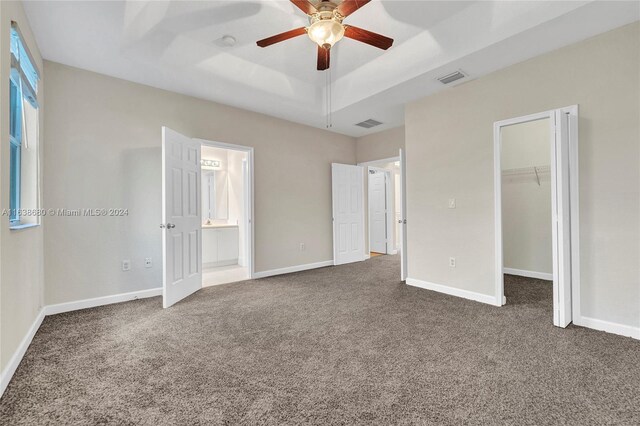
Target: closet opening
x: 536, y: 212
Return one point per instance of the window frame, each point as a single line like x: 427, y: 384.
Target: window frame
x: 23, y: 79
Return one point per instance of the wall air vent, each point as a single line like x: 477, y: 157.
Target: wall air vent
x: 450, y: 78
x: 367, y: 124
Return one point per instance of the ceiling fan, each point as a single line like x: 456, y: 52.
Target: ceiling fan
x: 326, y: 28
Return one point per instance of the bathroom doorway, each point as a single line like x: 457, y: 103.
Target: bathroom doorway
x: 227, y: 211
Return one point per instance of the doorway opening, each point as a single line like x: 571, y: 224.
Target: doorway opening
x: 226, y: 213
x: 384, y: 188
x: 536, y: 211
x: 194, y: 187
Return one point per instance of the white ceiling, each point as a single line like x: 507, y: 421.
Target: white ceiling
x: 176, y: 45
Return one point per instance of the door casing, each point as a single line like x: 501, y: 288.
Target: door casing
x: 565, y: 208
x: 248, y: 199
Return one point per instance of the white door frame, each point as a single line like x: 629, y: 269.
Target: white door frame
x: 249, y: 199
x: 404, y: 261
x: 572, y: 263
x: 389, y: 220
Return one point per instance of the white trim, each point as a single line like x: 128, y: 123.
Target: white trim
x: 452, y: 291
x: 14, y: 362
x: 404, y: 262
x: 101, y: 301
x: 609, y: 327
x: 574, y: 195
x: 290, y: 269
x: 250, y: 218
x: 530, y: 274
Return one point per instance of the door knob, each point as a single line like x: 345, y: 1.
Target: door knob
x: 170, y: 225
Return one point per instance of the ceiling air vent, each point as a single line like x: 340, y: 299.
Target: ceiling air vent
x: 450, y: 78
x: 367, y: 124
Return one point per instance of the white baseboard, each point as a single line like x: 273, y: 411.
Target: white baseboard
x: 10, y: 369
x: 452, y: 291
x: 291, y: 269
x: 609, y: 327
x: 528, y: 274
x: 101, y: 301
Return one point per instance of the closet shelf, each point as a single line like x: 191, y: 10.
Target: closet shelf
x: 525, y: 171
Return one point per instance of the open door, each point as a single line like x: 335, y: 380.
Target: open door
x: 403, y: 216
x: 181, y: 217
x: 348, y: 213
x: 561, y: 224
x: 378, y: 210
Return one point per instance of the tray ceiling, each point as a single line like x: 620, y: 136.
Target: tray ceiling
x: 177, y: 46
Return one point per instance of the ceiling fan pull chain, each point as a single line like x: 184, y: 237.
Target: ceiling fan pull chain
x: 328, y: 98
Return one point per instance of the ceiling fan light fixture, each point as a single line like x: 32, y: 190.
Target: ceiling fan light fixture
x: 326, y: 32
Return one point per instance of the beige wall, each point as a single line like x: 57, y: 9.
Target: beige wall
x: 450, y: 154
x: 21, y: 252
x: 381, y: 145
x: 104, y: 150
x: 526, y: 203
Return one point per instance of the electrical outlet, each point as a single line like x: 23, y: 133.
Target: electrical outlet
x: 452, y: 262
x: 302, y: 247
x: 452, y: 203
x: 147, y: 262
x: 126, y: 265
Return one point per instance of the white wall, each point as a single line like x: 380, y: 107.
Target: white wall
x: 21, y: 251
x: 526, y: 205
x: 104, y: 150
x: 449, y: 142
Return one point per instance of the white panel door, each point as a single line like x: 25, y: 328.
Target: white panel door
x: 181, y: 217
x: 348, y: 213
x: 403, y: 216
x: 377, y: 212
x: 562, y: 228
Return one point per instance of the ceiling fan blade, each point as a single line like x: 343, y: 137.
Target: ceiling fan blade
x: 281, y: 37
x: 323, y: 58
x: 368, y: 37
x: 347, y: 7
x: 305, y: 6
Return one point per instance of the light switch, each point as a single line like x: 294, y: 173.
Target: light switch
x: 452, y: 203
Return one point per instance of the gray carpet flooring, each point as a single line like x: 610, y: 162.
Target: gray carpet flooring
x: 339, y: 345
